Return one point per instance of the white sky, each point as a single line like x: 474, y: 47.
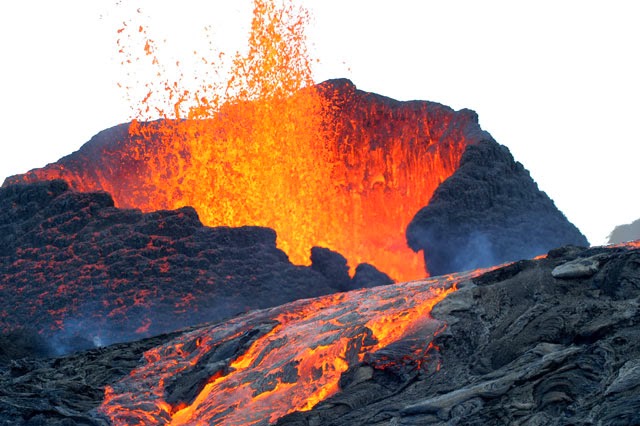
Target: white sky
x: 555, y: 81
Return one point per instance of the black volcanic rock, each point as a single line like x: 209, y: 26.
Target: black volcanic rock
x: 332, y: 265
x: 368, y: 276
x: 623, y: 233
x: 488, y: 212
x: 520, y: 347
x: 23, y: 343
x: 84, y: 273
x: 63, y: 391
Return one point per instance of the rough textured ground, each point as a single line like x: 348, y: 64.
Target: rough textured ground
x: 62, y: 391
x: 83, y: 273
x: 488, y: 212
x: 522, y: 347
x: 551, y: 341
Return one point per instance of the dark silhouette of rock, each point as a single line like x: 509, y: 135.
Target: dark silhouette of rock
x: 63, y: 391
x: 83, y: 273
x: 331, y: 265
x: 520, y: 347
x: 624, y: 233
x: 488, y: 212
x: 368, y: 276
x: 23, y: 343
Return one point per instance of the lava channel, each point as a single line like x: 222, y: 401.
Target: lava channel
x: 259, y: 367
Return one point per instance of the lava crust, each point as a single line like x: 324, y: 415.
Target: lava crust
x: 490, y: 211
x: 83, y: 273
x: 520, y: 347
x: 513, y: 345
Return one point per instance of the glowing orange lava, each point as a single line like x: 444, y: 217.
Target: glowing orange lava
x: 323, y: 165
x: 628, y: 244
x: 293, y: 365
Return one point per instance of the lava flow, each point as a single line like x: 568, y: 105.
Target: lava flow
x: 324, y: 165
x: 258, y: 367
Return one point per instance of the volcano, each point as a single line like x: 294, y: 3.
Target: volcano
x: 91, y: 268
x: 229, y: 257
x: 157, y: 227
x: 330, y: 166
x: 352, y: 180
x: 480, y: 215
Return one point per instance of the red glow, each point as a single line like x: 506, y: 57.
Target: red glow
x: 320, y: 338
x: 323, y: 166
x: 628, y: 244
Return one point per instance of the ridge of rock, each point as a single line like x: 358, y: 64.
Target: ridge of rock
x: 84, y: 273
x: 490, y: 211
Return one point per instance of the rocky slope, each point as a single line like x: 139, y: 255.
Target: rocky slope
x: 549, y: 341
x: 488, y: 212
x: 83, y: 273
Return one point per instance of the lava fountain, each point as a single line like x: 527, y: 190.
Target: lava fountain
x: 324, y: 165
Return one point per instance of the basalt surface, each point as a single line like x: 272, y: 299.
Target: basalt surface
x: 82, y: 273
x: 548, y: 341
x: 525, y: 344
x: 490, y: 211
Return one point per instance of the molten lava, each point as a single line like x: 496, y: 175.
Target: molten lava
x: 628, y: 244
x: 286, y: 359
x: 324, y: 165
